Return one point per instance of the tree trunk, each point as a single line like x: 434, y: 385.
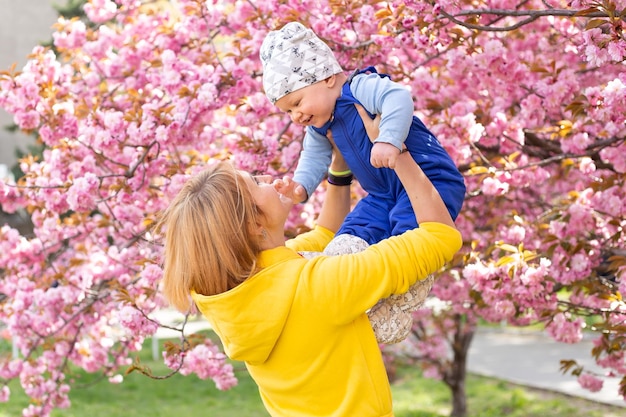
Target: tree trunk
x: 455, y: 376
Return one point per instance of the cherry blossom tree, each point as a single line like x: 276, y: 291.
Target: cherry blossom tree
x: 528, y: 97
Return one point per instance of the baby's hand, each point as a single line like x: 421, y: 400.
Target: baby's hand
x: 384, y: 155
x: 291, y: 189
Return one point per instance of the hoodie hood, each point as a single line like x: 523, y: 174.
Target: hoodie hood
x: 250, y: 318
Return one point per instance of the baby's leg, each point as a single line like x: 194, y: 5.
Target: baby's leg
x: 391, y: 317
x: 344, y: 244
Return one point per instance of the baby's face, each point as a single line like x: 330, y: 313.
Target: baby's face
x: 312, y: 105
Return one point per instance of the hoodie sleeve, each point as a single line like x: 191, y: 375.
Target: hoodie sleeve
x: 314, y: 240
x: 345, y: 286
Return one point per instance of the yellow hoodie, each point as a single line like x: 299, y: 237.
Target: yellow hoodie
x: 300, y: 325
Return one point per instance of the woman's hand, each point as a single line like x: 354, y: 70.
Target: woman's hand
x: 371, y: 125
x: 384, y: 155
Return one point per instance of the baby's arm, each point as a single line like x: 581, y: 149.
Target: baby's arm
x: 313, y: 163
x: 372, y: 129
x: 394, y: 103
x: 384, y: 155
x: 291, y: 189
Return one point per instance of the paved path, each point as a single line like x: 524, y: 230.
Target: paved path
x: 533, y: 359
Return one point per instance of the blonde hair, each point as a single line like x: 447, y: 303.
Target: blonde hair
x: 209, y: 244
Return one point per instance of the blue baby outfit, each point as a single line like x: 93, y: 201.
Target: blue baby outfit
x: 386, y: 210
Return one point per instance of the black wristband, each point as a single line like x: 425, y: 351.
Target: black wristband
x: 339, y: 181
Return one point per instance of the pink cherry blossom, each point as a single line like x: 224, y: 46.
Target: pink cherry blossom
x: 590, y: 382
x: 129, y: 104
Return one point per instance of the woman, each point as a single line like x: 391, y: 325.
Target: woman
x: 298, y: 324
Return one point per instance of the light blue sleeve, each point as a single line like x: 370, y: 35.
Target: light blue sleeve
x: 314, y: 160
x: 389, y: 99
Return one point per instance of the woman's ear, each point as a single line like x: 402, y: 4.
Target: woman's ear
x: 259, y: 231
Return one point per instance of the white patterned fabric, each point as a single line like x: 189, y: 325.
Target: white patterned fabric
x: 391, y: 317
x: 293, y: 58
x: 345, y: 244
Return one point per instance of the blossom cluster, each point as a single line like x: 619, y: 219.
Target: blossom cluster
x: 137, y: 97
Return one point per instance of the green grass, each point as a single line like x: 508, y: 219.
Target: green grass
x: 414, y: 396
x: 141, y: 396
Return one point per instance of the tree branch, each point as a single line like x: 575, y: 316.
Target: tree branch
x: 530, y: 16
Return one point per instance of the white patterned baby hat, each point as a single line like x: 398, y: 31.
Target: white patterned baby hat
x: 293, y: 58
